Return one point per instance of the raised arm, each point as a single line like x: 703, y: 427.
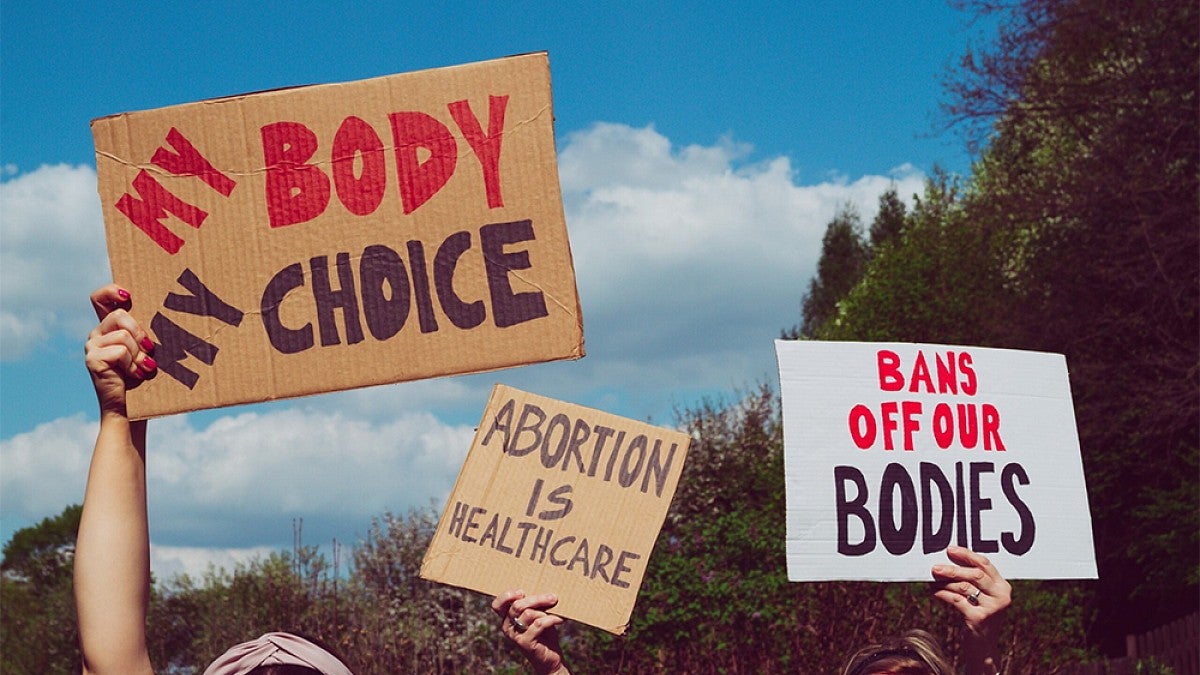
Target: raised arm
x: 112, y: 551
x: 525, y: 621
x: 974, y: 588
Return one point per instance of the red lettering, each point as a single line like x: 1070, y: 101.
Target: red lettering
x: 943, y: 425
x: 296, y: 191
x: 889, y: 424
x: 187, y: 161
x: 920, y: 375
x: 991, y: 428
x: 910, y: 410
x: 421, y: 180
x: 947, y: 379
x: 969, y: 385
x: 968, y: 425
x: 486, y: 146
x: 360, y: 195
x: 862, y: 426
x: 890, y: 378
x: 154, y: 204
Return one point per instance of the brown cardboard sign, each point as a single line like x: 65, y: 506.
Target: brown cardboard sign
x: 558, y: 498
x: 320, y: 238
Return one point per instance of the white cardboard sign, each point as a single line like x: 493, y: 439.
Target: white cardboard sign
x: 892, y: 452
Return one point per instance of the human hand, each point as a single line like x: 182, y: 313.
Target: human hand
x: 117, y: 351
x: 525, y: 621
x: 973, y: 587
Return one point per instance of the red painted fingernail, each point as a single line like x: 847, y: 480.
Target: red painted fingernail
x: 149, y: 364
x: 123, y: 293
x: 147, y: 344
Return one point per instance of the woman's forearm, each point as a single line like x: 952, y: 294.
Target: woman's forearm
x: 112, y: 552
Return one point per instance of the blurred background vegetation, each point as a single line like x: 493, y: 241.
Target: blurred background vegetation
x: 1077, y: 232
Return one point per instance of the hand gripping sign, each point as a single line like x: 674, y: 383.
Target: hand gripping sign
x: 892, y: 452
x: 558, y: 498
x: 320, y: 238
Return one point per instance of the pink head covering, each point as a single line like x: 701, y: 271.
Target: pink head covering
x: 282, y: 649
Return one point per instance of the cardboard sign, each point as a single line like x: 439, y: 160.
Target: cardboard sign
x: 892, y: 452
x: 558, y: 498
x: 321, y: 238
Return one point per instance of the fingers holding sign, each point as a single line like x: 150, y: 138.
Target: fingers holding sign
x: 117, y: 351
x: 972, y: 586
x: 525, y: 621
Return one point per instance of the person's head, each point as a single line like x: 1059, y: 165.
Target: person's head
x: 278, y: 654
x: 914, y: 653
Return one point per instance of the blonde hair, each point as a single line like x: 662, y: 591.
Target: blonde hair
x: 914, y: 653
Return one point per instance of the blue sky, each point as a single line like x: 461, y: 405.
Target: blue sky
x: 733, y: 131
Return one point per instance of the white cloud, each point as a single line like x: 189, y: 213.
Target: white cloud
x: 167, y: 562
x: 689, y: 262
x: 52, y: 254
x: 240, y: 480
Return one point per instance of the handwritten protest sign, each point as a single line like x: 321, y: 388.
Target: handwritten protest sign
x: 892, y: 452
x: 558, y: 498
x: 320, y: 238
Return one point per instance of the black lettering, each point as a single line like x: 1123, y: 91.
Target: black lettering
x: 328, y: 299
x: 933, y: 540
x: 579, y: 435
x: 174, y: 345
x: 525, y: 527
x: 202, y: 301
x: 656, y: 468
x: 960, y: 504
x: 471, y: 524
x: 979, y: 504
x: 581, y: 556
x: 558, y: 497
x: 602, y: 435
x: 534, y: 497
x: 456, y: 521
x: 503, y: 534
x: 898, y: 540
x: 554, y: 560
x: 628, y: 476
x: 622, y: 567
x: 385, y: 312
x: 612, y: 459
x: 845, y: 509
x: 491, y: 531
x: 1017, y: 545
x: 529, y: 410
x: 505, y: 413
x: 465, y: 315
x: 285, y: 340
x: 604, y: 556
x: 540, y: 544
x: 420, y: 277
x: 509, y: 308
x: 562, y: 421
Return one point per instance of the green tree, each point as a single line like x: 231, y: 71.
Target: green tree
x: 939, y: 282
x: 1090, y: 115
x: 843, y: 256
x: 37, y: 619
x: 889, y: 221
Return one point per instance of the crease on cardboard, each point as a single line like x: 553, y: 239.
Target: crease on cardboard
x: 155, y: 169
x: 531, y: 284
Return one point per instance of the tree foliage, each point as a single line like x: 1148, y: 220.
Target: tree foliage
x: 37, y: 606
x: 843, y: 255
x: 1078, y: 232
